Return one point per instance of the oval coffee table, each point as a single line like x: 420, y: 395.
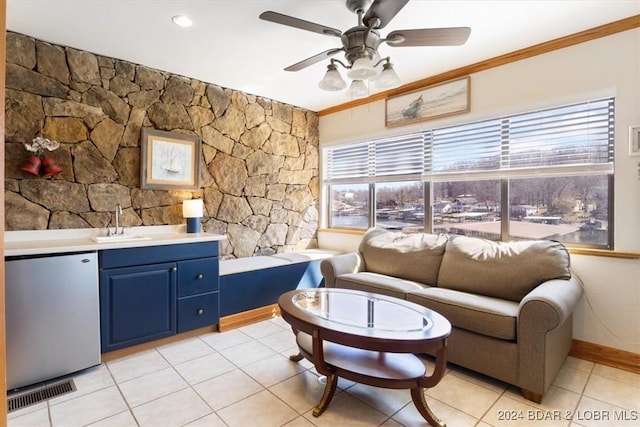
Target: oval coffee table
x: 367, y: 338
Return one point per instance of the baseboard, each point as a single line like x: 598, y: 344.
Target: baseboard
x: 609, y: 356
x: 247, y: 317
x: 116, y: 354
x: 226, y: 323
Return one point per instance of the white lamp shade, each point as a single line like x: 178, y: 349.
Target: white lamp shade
x: 388, y: 78
x: 193, y: 208
x: 332, y: 80
x: 358, y: 89
x: 362, y: 69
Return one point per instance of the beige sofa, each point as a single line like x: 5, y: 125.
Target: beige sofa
x: 510, y: 304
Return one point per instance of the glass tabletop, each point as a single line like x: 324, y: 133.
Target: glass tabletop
x: 363, y: 310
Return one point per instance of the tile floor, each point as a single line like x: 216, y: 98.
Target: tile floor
x: 244, y: 378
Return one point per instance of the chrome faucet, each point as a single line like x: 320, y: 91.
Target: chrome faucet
x: 118, y: 213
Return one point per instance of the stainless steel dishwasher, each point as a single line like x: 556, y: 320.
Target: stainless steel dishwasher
x: 52, y: 316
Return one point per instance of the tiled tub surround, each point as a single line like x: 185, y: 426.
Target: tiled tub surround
x: 243, y: 378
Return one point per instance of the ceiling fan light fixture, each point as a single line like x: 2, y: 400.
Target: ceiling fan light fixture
x: 362, y: 69
x: 360, y: 44
x: 388, y: 78
x: 332, y: 80
x: 358, y: 89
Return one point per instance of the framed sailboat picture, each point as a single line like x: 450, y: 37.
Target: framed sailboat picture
x: 444, y: 99
x: 169, y: 160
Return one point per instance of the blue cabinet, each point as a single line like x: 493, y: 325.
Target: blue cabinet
x: 198, y: 293
x: 149, y: 293
x: 137, y: 304
x: 197, y: 311
x: 198, y: 276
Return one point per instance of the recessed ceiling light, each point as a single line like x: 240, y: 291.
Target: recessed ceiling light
x: 182, y: 21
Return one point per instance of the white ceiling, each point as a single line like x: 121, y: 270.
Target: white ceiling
x: 228, y: 45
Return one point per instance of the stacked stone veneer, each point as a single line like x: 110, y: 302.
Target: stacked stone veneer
x: 259, y: 168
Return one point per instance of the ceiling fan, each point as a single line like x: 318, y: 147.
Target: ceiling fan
x: 360, y: 44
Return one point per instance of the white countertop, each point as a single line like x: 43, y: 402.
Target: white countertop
x: 40, y: 242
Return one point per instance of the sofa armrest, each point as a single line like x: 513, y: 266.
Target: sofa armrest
x: 550, y: 304
x: 340, y: 264
x: 545, y: 325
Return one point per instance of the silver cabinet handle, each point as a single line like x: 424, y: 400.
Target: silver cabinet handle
x: 200, y: 277
x: 200, y: 312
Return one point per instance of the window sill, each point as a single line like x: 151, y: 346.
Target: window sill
x: 604, y: 253
x: 343, y: 230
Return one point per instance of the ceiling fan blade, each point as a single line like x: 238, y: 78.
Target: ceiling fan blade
x: 384, y: 10
x: 279, y: 18
x: 313, y: 59
x: 454, y: 36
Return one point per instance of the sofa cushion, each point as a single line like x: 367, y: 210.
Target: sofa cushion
x: 377, y: 283
x: 488, y: 316
x: 507, y: 270
x: 414, y: 257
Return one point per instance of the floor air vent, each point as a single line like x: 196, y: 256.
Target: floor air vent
x: 31, y: 397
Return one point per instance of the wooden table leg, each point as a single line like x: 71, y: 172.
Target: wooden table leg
x: 329, y: 391
x: 417, y: 395
x: 296, y: 357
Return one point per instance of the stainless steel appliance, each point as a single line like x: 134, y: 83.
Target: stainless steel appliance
x: 52, y: 316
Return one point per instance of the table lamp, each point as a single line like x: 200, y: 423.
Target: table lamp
x: 193, y: 210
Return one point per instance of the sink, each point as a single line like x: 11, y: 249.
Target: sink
x: 119, y: 238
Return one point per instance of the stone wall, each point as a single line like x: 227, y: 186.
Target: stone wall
x: 259, y: 168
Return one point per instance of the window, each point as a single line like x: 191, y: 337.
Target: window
x: 400, y: 206
x: 541, y: 174
x: 571, y: 209
x: 352, y: 172
x: 470, y: 208
x: 350, y: 206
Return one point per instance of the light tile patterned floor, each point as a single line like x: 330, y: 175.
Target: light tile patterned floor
x: 244, y: 378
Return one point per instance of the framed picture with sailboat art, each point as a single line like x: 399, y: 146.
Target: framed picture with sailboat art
x: 169, y: 160
x: 444, y: 99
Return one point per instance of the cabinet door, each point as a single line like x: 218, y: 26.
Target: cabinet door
x: 138, y: 304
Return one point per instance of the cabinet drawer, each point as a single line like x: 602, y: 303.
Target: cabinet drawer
x: 125, y: 257
x: 197, y: 276
x: 197, y: 311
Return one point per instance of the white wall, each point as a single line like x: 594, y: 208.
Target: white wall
x: 609, y: 66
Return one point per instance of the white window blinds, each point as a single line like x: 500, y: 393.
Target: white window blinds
x: 579, y: 134
x: 399, y: 156
x: 465, y: 148
x: 575, y: 139
x: 381, y: 160
x: 347, y: 162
